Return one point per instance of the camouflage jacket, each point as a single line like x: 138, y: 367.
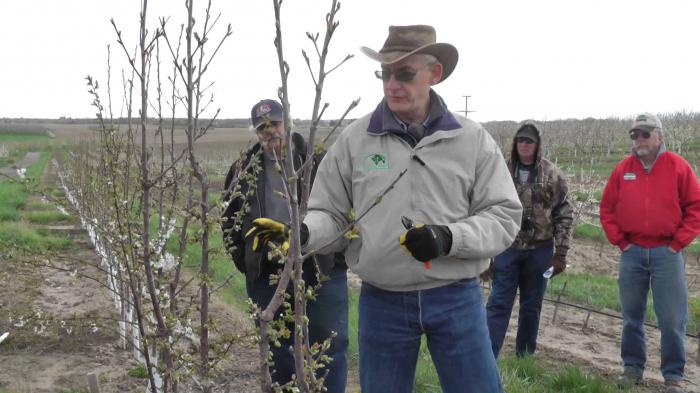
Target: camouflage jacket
x: 547, y: 206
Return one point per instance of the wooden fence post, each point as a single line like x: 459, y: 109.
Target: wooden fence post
x: 585, y: 323
x: 556, y: 305
x: 92, y: 383
x: 697, y: 356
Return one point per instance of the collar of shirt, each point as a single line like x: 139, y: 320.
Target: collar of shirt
x: 439, y: 118
x: 404, y: 126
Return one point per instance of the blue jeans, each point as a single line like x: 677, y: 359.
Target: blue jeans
x: 452, y: 317
x: 665, y: 272
x: 328, y: 313
x: 515, y: 269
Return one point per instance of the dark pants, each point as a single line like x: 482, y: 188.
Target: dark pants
x: 515, y: 269
x: 328, y: 313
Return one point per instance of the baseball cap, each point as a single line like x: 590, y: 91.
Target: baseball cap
x: 266, y: 111
x: 528, y: 131
x: 646, y: 122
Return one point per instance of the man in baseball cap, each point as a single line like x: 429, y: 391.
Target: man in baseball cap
x: 650, y: 209
x: 542, y: 242
x: 266, y: 112
x: 647, y: 138
x: 261, y: 194
x: 267, y: 118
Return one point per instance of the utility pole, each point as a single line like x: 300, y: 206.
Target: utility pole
x: 466, y: 110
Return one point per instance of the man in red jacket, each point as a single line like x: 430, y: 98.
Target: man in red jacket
x: 650, y: 209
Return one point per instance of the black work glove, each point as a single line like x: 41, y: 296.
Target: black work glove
x: 559, y: 263
x: 426, y: 242
x: 267, y: 230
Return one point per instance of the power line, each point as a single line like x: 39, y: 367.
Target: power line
x: 466, y: 110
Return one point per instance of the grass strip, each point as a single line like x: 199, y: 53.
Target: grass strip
x: 589, y: 231
x: 525, y: 375
x: 221, y: 267
x: 46, y: 216
x: 13, y: 194
x: 602, y: 292
x: 12, y: 137
x: 18, y: 235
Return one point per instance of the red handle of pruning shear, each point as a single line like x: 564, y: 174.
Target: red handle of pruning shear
x: 408, y: 224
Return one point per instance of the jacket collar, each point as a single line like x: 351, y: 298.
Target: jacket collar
x: 662, y: 149
x: 439, y: 118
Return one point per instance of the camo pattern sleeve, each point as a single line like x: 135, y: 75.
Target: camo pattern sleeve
x: 547, y: 210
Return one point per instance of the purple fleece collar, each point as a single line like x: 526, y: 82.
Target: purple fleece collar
x: 383, y: 121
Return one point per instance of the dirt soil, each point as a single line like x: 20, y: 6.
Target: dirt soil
x: 55, y: 360
x: 596, y: 345
x: 54, y: 356
x: 61, y: 322
x: 59, y: 358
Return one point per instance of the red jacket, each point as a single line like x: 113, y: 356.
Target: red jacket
x: 654, y: 209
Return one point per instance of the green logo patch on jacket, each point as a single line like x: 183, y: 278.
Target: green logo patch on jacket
x: 375, y: 161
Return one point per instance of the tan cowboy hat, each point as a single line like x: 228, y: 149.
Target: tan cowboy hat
x: 404, y: 41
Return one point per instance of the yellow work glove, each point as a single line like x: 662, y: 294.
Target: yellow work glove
x: 266, y: 230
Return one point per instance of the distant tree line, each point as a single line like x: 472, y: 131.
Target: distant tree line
x: 217, y: 123
x: 589, y: 136
x: 579, y: 137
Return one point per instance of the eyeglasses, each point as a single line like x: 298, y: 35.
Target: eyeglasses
x: 644, y: 134
x: 403, y: 74
x: 525, y: 140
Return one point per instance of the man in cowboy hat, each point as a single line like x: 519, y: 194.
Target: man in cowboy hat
x: 451, y: 207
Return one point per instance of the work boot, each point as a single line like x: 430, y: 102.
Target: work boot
x: 627, y: 380
x: 673, y: 386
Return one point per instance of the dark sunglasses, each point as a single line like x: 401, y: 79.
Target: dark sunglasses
x: 644, y: 134
x: 522, y: 139
x: 404, y: 74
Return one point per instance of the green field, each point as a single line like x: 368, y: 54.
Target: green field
x: 5, y: 138
x: 18, y: 212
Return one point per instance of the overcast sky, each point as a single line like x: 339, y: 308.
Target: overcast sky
x: 539, y: 59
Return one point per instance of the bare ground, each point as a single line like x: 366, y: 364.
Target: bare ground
x: 59, y: 358
x: 56, y: 360
x: 599, y: 345
x: 62, y: 325
x: 596, y: 345
x: 43, y: 354
x: 52, y: 357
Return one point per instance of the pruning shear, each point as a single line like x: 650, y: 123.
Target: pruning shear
x: 409, y: 224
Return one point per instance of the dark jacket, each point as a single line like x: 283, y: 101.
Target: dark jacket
x: 547, y: 206
x: 246, y: 260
